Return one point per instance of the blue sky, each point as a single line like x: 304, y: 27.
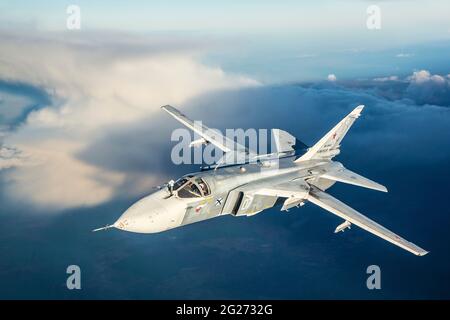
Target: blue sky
x: 283, y: 36
x: 411, y: 19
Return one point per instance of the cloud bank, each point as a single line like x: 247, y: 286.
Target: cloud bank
x: 427, y: 88
x: 94, y: 82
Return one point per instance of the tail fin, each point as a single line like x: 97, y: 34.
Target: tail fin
x: 328, y: 146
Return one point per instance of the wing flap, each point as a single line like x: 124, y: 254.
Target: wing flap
x: 292, y: 189
x: 341, y: 174
x: 349, y: 214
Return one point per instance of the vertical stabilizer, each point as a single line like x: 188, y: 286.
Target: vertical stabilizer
x: 329, y: 146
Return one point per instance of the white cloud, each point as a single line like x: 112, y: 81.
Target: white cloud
x: 383, y: 79
x: 94, y: 83
x: 404, y: 55
x: 10, y: 157
x: 331, y: 77
x: 427, y: 88
x: 56, y: 178
x: 422, y: 87
x: 423, y: 76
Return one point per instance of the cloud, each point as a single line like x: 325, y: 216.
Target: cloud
x: 10, y: 157
x: 420, y: 88
x: 427, y: 88
x: 331, y: 77
x: 96, y: 136
x: 390, y: 78
x: 95, y: 82
x: 404, y: 55
x: 423, y: 76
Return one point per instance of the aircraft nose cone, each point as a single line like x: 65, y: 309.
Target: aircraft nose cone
x: 150, y: 215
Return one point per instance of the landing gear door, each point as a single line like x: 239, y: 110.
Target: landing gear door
x: 233, y: 202
x: 240, y: 203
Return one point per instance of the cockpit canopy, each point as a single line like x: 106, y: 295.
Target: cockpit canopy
x: 191, y: 187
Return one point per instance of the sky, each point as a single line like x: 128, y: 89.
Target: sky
x: 82, y: 138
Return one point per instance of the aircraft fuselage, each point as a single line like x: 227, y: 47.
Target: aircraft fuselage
x: 227, y: 191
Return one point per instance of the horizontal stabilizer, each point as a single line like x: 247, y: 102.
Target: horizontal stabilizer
x: 286, y: 142
x: 333, y: 205
x: 341, y: 174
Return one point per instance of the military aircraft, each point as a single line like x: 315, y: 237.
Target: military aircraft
x: 288, y: 177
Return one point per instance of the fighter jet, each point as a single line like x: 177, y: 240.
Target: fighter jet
x: 288, y: 177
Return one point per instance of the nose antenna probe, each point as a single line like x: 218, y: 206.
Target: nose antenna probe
x: 103, y: 228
